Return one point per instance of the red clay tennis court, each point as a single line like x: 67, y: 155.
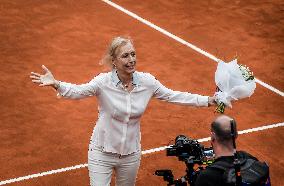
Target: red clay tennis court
x: 44, y: 140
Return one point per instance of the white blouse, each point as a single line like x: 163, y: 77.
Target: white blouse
x: 117, y: 129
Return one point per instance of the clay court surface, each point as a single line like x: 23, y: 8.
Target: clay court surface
x: 39, y: 132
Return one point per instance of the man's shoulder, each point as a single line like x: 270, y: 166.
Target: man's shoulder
x: 245, y: 155
x: 226, y: 162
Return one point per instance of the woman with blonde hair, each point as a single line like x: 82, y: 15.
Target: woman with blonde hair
x: 123, y: 94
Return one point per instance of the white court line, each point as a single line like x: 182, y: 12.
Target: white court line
x: 178, y: 39
x: 143, y: 152
x: 43, y: 174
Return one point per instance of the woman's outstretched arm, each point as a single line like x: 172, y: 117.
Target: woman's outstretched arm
x: 184, y: 98
x: 67, y: 90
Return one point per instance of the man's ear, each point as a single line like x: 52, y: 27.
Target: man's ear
x: 213, y: 136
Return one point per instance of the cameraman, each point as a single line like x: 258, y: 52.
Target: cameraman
x: 222, y: 144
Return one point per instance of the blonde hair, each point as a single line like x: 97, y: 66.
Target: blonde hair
x: 111, y: 52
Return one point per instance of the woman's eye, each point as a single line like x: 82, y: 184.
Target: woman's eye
x: 133, y: 54
x: 125, y: 55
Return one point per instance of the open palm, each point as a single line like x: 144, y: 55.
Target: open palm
x: 46, y: 79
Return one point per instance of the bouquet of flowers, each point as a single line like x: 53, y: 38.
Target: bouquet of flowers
x: 233, y: 82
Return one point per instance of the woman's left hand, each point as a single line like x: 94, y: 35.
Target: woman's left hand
x: 211, y: 101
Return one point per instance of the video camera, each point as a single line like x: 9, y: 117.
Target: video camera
x: 193, y: 154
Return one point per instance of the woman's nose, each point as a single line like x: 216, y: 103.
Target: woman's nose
x: 132, y: 59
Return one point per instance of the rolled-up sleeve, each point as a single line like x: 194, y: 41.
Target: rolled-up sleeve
x: 184, y: 98
x: 73, y: 91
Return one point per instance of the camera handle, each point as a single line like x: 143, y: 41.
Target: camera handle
x: 168, y: 177
x: 191, y: 175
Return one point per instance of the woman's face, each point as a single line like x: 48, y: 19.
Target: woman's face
x: 125, y: 60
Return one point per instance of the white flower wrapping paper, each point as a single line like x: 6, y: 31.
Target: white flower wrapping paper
x: 232, y: 83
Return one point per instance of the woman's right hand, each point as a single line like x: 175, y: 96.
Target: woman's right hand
x: 46, y: 79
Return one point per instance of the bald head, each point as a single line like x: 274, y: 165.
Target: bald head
x: 224, y: 122
x: 221, y: 127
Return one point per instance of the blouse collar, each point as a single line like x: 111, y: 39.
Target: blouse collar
x: 116, y: 80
